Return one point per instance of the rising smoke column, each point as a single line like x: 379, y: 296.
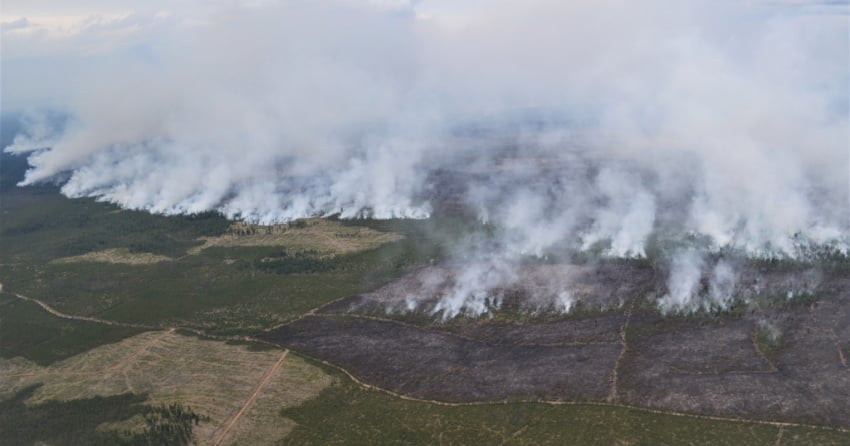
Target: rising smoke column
x: 585, y: 126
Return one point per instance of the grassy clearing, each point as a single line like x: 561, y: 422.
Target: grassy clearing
x: 26, y: 330
x: 326, y: 237
x: 211, y: 377
x: 347, y: 414
x: 115, y: 255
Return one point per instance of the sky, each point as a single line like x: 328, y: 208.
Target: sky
x: 49, y: 44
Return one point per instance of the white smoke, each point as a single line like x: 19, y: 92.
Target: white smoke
x: 683, y: 284
x: 588, y: 125
x: 686, y: 284
x: 472, y: 291
x: 721, y: 288
x: 628, y: 218
x: 770, y: 330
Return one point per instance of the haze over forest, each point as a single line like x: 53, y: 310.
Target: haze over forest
x: 582, y: 126
x: 516, y: 222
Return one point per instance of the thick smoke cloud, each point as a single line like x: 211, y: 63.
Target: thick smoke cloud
x: 591, y: 126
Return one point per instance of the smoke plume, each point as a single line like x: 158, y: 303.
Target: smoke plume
x: 603, y: 126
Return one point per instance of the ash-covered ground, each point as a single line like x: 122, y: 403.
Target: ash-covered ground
x: 778, y: 352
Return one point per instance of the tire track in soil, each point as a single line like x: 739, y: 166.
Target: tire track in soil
x: 612, y: 396
x: 264, y: 380
x: 126, y: 362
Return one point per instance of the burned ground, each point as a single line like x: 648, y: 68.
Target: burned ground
x: 774, y: 360
x: 433, y: 365
x: 722, y: 369
x: 600, y: 329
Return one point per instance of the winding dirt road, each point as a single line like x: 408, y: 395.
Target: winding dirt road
x: 273, y: 368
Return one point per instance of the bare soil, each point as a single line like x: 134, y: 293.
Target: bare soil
x: 117, y: 255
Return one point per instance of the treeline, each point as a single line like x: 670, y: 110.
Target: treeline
x: 301, y: 262
x: 63, y: 422
x: 142, y: 232
x: 243, y: 229
x: 52, y: 225
x: 77, y: 421
x: 389, y: 259
x: 166, y: 425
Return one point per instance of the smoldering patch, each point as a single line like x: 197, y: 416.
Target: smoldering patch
x: 708, y: 286
x: 445, y: 291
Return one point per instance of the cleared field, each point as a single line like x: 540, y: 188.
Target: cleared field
x: 326, y: 237
x: 116, y: 255
x: 214, y: 378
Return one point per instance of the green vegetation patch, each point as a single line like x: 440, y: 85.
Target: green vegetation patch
x: 225, y: 290
x: 77, y: 421
x: 203, y: 291
x: 27, y: 330
x: 39, y: 224
x: 68, y: 422
x: 801, y: 436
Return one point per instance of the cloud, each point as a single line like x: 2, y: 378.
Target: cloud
x: 17, y: 24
